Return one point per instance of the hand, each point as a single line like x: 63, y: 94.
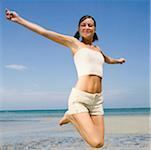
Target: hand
x: 12, y: 15
x: 121, y: 60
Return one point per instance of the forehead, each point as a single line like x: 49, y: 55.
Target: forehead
x: 88, y: 20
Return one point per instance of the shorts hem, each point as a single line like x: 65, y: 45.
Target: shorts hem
x: 92, y: 114
x: 97, y: 114
x: 77, y: 112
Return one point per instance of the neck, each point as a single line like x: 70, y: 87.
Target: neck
x: 87, y: 41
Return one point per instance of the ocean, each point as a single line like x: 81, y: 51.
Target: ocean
x: 21, y: 115
x: 39, y: 130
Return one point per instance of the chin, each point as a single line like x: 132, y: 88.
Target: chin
x: 86, y: 37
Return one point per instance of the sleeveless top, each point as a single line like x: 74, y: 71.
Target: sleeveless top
x: 88, y: 61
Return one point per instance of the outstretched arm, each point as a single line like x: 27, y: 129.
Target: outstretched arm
x: 65, y: 40
x: 110, y: 60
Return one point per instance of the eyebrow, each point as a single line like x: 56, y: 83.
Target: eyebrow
x: 87, y: 23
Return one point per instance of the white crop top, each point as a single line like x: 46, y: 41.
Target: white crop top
x: 88, y: 61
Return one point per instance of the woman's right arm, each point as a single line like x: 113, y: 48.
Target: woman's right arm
x: 65, y: 40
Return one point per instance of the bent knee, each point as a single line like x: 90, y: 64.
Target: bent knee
x: 97, y: 143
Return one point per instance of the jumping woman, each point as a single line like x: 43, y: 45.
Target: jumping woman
x: 85, y: 103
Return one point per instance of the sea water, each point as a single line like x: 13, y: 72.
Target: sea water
x: 28, y: 115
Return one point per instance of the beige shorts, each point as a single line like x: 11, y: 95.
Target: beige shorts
x: 81, y: 101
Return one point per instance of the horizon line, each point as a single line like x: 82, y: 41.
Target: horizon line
x: 63, y: 109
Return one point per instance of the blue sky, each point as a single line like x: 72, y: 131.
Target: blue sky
x: 37, y: 73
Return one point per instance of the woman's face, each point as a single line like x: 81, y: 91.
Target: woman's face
x: 87, y: 28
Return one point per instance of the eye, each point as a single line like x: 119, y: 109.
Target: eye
x: 90, y: 25
x: 87, y: 24
x: 83, y: 25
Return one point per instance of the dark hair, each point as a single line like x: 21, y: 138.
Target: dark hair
x: 77, y: 34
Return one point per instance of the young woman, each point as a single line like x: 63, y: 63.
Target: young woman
x: 85, y: 103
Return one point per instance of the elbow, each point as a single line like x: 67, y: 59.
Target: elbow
x: 108, y: 61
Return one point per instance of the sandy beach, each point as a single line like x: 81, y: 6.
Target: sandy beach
x: 128, y: 124
x: 121, y: 133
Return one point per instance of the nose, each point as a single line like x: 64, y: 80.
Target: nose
x: 87, y: 27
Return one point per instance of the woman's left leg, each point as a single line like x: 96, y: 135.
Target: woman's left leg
x: 92, y: 131
x: 98, y: 121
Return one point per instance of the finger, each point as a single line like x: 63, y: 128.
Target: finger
x: 7, y: 13
x: 8, y: 18
x: 6, y: 10
x: 11, y: 14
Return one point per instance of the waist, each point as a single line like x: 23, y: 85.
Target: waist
x: 87, y: 71
x: 89, y: 83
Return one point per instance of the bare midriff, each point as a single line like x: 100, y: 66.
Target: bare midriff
x: 89, y: 83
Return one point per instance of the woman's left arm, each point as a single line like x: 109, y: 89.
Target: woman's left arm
x: 110, y: 60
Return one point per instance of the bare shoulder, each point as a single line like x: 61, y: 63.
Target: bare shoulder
x: 99, y: 48
x: 77, y: 44
x: 101, y: 51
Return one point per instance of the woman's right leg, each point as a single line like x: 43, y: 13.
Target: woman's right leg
x: 64, y: 119
x: 87, y: 129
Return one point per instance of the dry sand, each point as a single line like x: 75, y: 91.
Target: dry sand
x: 136, y: 124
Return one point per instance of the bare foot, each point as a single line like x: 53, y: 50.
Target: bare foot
x: 64, y: 120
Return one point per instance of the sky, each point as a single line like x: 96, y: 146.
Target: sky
x: 36, y: 73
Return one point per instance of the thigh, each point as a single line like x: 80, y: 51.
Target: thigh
x: 98, y: 121
x: 84, y: 121
x: 84, y: 124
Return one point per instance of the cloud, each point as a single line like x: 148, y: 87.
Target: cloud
x: 32, y: 99
x: 16, y: 67
x: 29, y: 93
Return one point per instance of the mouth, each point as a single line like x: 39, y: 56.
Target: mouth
x: 86, y: 32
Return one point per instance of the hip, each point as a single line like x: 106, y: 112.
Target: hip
x: 81, y: 101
